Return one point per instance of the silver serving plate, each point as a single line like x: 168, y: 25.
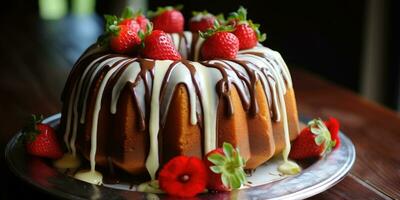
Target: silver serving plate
x: 317, y: 177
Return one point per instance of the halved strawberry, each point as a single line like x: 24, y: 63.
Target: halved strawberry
x: 314, y: 141
x: 168, y: 19
x: 219, y: 43
x: 41, y: 140
x: 201, y: 21
x: 225, y: 168
x: 247, y: 32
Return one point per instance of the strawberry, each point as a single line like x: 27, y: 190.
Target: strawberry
x: 124, y: 39
x: 219, y: 43
x: 142, y: 21
x: 314, y: 141
x: 121, y: 34
x: 225, y: 168
x: 131, y: 24
x: 158, y: 45
x: 333, y: 126
x: 201, y: 21
x: 41, y: 140
x: 247, y: 32
x: 168, y: 19
x: 128, y: 16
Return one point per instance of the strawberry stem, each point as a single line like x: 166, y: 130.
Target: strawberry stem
x: 240, y: 17
x: 323, y: 136
x: 230, y: 166
x: 216, y: 28
x: 30, y: 131
x: 160, y: 10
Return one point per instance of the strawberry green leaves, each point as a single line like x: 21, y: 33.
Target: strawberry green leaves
x: 323, y: 136
x: 229, y: 165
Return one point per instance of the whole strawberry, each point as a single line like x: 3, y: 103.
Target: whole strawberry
x: 128, y: 17
x: 158, y: 45
x: 225, y: 168
x: 121, y: 34
x: 201, y: 21
x: 314, y: 141
x: 333, y: 126
x: 142, y: 21
x: 219, y: 43
x: 247, y: 32
x: 168, y: 19
x: 41, y: 140
x: 124, y: 39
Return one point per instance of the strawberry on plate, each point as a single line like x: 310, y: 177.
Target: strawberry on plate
x: 168, y: 19
x: 225, y: 168
x: 158, y: 45
x: 333, y: 126
x: 219, y: 43
x: 246, y: 31
x: 201, y: 21
x: 41, y: 140
x: 314, y: 141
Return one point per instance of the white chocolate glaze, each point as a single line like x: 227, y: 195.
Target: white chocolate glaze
x: 152, y: 162
x: 68, y: 161
x: 209, y: 78
x: 89, y: 176
x: 154, y: 86
x: 97, y: 107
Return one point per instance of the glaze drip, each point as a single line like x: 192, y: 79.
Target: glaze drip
x: 152, y: 84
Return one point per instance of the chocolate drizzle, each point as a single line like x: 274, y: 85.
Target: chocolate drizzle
x: 138, y: 76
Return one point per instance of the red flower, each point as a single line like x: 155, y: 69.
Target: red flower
x: 183, y: 176
x: 333, y: 126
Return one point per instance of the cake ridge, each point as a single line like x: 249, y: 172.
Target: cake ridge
x: 151, y: 80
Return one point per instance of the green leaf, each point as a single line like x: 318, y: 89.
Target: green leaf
x: 221, y: 18
x: 225, y: 180
x: 241, y: 175
x: 216, y: 28
x: 240, y: 14
x: 127, y: 13
x: 216, y: 169
x: 201, y: 13
x: 217, y: 159
x: 319, y: 140
x: 160, y: 10
x: 228, y: 149
x: 30, y: 131
x: 178, y: 7
x: 235, y: 183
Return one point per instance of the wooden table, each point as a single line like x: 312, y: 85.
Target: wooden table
x: 34, y: 67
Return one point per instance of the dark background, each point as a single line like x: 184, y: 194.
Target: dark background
x: 324, y: 37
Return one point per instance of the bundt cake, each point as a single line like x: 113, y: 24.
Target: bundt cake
x: 183, y: 93
x: 138, y: 113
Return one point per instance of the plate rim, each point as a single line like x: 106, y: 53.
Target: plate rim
x: 301, y: 194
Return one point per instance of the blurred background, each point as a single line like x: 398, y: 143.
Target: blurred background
x: 352, y: 43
